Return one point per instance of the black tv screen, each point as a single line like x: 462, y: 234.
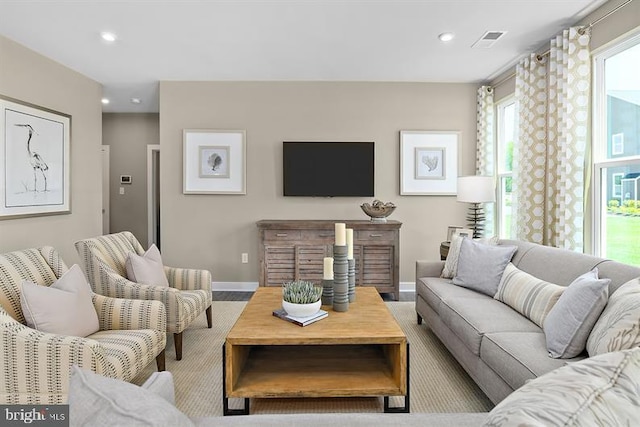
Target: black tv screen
x: 328, y: 169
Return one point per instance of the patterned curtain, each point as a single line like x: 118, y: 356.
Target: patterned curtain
x: 485, y: 148
x: 553, y: 99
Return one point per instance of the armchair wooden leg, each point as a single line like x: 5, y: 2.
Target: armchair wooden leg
x: 209, y: 321
x: 160, y: 361
x: 177, y: 341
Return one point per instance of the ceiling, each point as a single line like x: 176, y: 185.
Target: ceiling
x: 281, y: 40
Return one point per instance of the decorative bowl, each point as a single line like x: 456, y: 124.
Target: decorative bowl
x: 301, y: 310
x: 378, y: 211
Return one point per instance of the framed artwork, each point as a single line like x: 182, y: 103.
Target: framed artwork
x: 429, y: 162
x: 451, y: 231
x: 35, y: 165
x: 464, y: 232
x: 214, y: 161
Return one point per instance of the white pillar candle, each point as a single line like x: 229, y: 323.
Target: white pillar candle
x: 328, y: 268
x: 349, y: 233
x: 341, y: 236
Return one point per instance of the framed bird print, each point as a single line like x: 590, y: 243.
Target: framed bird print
x: 429, y: 162
x: 214, y: 161
x: 35, y: 170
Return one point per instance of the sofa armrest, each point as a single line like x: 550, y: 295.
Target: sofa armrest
x: 129, y: 314
x: 428, y: 268
x: 188, y: 279
x: 161, y: 383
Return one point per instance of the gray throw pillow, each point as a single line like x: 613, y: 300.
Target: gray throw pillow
x: 569, y: 323
x: 480, y: 266
x: 98, y: 401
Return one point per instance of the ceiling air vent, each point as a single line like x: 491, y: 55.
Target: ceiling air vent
x: 488, y: 39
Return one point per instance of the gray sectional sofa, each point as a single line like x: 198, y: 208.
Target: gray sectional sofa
x: 498, y: 347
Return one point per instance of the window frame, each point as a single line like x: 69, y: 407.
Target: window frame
x: 599, y: 144
x: 501, y: 174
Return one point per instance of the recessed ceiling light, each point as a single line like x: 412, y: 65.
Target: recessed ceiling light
x: 108, y: 37
x: 136, y: 101
x: 446, y: 37
x: 105, y: 101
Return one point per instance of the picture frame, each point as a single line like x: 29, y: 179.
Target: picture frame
x: 35, y: 166
x: 464, y: 232
x: 451, y: 230
x: 214, y: 161
x: 429, y: 162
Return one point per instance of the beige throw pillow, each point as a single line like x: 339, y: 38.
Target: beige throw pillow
x: 528, y: 295
x: 618, y: 327
x: 147, y: 269
x: 64, y: 308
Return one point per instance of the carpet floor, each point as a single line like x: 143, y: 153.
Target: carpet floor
x: 438, y: 382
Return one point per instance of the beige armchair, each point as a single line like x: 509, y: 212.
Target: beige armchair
x: 188, y: 294
x: 36, y: 365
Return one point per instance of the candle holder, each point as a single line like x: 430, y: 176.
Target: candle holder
x: 327, y: 292
x: 351, y: 277
x: 340, y: 279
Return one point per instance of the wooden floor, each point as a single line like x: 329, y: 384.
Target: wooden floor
x: 245, y: 296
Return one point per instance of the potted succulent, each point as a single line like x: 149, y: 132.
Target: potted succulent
x: 301, y: 298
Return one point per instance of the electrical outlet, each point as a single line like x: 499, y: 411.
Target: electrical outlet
x: 245, y: 258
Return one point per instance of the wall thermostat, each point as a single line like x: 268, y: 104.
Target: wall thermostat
x: 125, y: 179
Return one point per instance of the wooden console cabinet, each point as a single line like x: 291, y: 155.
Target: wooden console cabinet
x: 294, y: 250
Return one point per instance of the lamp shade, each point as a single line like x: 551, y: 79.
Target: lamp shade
x: 476, y: 189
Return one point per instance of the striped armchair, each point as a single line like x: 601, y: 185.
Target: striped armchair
x: 36, y: 365
x: 188, y: 294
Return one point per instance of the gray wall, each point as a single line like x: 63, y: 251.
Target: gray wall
x: 211, y: 231
x: 30, y: 77
x: 128, y: 136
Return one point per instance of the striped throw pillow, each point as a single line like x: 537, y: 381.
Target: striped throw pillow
x: 528, y: 295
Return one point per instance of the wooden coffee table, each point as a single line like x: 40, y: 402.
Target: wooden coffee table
x: 361, y: 352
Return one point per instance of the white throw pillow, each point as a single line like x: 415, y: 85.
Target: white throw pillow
x: 598, y: 391
x: 532, y: 297
x: 618, y: 327
x: 64, y: 308
x: 147, y: 269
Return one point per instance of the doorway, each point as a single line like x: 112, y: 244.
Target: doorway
x: 153, y: 194
x: 106, y: 156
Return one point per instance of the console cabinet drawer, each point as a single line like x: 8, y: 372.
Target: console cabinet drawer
x: 281, y: 235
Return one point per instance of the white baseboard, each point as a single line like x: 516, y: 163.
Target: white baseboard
x: 252, y: 286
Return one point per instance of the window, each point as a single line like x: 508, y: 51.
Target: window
x: 507, y: 127
x: 616, y: 148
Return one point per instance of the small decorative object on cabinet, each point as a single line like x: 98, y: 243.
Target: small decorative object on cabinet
x: 378, y: 211
x: 295, y: 250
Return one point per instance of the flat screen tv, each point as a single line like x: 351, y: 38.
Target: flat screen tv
x: 328, y: 169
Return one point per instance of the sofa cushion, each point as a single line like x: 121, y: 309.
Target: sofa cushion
x: 95, y: 400
x: 480, y: 266
x: 598, y: 391
x: 434, y: 289
x: 618, y: 327
x: 528, y: 295
x: 64, y: 308
x: 471, y: 318
x: 570, y: 321
x: 518, y: 356
x: 146, y: 268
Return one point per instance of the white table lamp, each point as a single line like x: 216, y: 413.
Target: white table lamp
x: 476, y: 189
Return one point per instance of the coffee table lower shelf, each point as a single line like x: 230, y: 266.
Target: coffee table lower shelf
x: 312, y: 371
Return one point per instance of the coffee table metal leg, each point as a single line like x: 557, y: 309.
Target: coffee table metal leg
x: 225, y: 399
x: 406, y: 407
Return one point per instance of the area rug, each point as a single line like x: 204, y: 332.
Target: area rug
x: 438, y: 382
